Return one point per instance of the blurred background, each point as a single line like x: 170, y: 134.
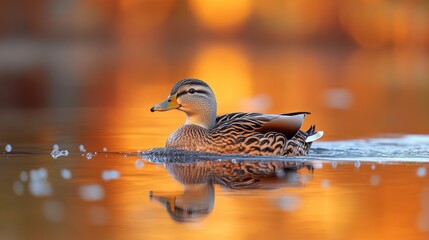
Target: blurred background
x: 360, y: 66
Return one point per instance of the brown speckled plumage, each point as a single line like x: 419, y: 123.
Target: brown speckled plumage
x: 235, y: 133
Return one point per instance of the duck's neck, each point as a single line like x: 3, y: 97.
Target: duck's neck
x: 205, y: 118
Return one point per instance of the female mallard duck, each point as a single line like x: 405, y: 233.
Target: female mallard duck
x: 234, y: 133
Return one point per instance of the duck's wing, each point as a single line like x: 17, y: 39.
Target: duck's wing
x: 287, y: 124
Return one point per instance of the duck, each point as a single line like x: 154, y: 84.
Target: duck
x: 255, y: 134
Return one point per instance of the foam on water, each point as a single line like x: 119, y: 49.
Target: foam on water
x: 408, y: 148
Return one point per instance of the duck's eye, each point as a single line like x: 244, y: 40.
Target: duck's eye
x: 191, y: 91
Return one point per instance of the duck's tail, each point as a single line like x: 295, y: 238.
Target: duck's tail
x: 300, y: 144
x: 312, y: 135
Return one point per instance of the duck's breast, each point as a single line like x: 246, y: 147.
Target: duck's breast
x: 189, y: 137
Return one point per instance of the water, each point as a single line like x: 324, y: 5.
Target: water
x: 366, y: 188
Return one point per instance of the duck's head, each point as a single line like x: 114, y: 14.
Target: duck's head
x: 195, y: 98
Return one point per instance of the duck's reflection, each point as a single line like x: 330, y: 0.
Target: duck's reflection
x: 199, y: 176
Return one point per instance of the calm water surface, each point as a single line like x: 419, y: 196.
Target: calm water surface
x: 356, y: 189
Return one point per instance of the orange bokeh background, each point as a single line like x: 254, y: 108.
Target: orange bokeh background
x: 88, y: 71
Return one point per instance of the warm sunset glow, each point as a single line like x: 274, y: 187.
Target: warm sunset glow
x: 297, y: 18
x: 370, y: 26
x: 221, y: 15
x: 138, y: 17
x: 79, y: 78
x: 379, y: 23
x: 226, y: 69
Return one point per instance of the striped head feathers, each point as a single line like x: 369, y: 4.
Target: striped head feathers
x: 195, y: 98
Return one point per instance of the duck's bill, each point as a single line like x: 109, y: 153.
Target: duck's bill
x: 168, y: 104
x: 166, y: 201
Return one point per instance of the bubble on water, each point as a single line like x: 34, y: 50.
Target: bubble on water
x: 91, y: 192
x: 373, y: 167
x: 357, y: 164
x: 23, y: 176
x: 88, y: 156
x: 56, y: 153
x: 139, y: 163
x: 374, y: 180
x: 95, y: 153
x: 82, y: 148
x: 18, y: 188
x: 98, y: 215
x: 334, y: 164
x: 104, y: 149
x: 66, y: 174
x: 325, y: 183
x: 53, y: 211
x: 421, y: 172
x: 108, y: 175
x: 56, y: 147
x: 289, y: 203
x: 8, y: 148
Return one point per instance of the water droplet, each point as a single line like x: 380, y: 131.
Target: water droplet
x: 56, y: 147
x: 373, y: 167
x: 8, y: 148
x: 18, y: 188
x: 89, y: 156
x: 374, y: 180
x: 104, y: 149
x: 91, y: 192
x: 40, y: 187
x: 357, y: 164
x: 421, y: 172
x: 82, y: 148
x: 56, y: 153
x: 334, y: 165
x: 139, y: 163
x: 38, y: 174
x: 23, y: 176
x: 43, y: 173
x: 108, y: 175
x: 66, y: 174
